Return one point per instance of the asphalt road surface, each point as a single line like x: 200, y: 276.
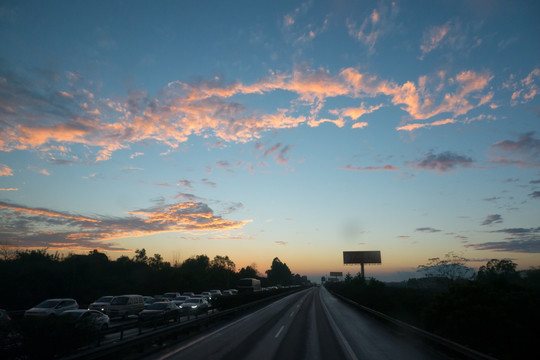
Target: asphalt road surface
x: 311, y: 324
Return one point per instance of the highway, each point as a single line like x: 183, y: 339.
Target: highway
x: 311, y: 324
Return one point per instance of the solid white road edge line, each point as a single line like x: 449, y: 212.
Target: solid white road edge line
x: 338, y: 332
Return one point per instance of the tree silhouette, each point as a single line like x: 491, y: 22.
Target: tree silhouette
x: 279, y: 273
x: 452, y: 267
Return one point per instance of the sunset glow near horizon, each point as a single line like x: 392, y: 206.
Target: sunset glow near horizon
x: 286, y: 129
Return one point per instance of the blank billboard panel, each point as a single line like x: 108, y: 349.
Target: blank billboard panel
x: 362, y: 257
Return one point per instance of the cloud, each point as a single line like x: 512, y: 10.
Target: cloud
x: 359, y: 125
x: 282, y: 243
x: 210, y: 108
x: 492, y: 219
x: 520, y: 240
x: 205, y: 181
x: 417, y: 99
x: 411, y: 127
x: 386, y: 167
x: 44, y: 228
x: 186, y: 183
x: 443, y: 162
x: 374, y: 25
x: 535, y: 195
x: 427, y: 230
x: 433, y: 37
x: 9, y: 189
x: 281, y: 158
x: 525, y: 152
x: 526, y: 89
x: 272, y: 149
x: 5, y: 170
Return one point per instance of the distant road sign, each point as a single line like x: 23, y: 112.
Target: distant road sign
x: 362, y: 257
x: 336, y: 273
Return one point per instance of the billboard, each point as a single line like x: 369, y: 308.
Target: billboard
x: 361, y: 257
x: 336, y: 273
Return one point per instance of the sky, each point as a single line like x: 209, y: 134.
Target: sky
x: 263, y: 129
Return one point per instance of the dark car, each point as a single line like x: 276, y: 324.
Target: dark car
x: 161, y: 311
x: 180, y: 300
x: 102, y: 304
x: 5, y: 321
x: 194, y: 306
x: 149, y: 300
x: 87, y: 319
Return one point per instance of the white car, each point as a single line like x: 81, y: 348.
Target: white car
x: 51, y: 307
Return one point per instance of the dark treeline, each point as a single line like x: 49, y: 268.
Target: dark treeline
x: 496, y: 311
x: 29, y: 277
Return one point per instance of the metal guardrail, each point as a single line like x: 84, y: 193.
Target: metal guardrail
x: 445, y: 343
x: 144, y: 339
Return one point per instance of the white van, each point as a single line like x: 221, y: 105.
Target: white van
x: 125, y: 305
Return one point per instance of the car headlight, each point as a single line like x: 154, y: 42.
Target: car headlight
x: 193, y: 306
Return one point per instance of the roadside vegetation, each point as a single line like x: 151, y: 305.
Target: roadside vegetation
x: 31, y: 276
x: 494, y: 311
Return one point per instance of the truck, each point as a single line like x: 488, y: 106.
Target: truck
x: 249, y: 285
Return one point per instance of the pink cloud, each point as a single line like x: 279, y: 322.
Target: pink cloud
x: 433, y: 37
x: 386, y: 167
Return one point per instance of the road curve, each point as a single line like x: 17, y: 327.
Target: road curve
x: 311, y: 324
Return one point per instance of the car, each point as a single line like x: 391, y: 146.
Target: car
x: 227, y: 293
x: 215, y: 293
x: 125, y: 305
x: 208, y: 295
x: 179, y: 300
x: 91, y: 319
x: 188, y: 293
x: 148, y: 300
x: 51, y: 307
x: 5, y: 321
x: 161, y: 311
x: 102, y: 304
x: 194, y: 306
x: 171, y: 295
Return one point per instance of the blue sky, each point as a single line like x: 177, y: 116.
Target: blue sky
x: 263, y: 129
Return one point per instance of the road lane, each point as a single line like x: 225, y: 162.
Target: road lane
x: 369, y: 338
x: 311, y: 324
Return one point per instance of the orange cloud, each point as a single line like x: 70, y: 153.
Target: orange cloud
x: 66, y: 231
x: 5, y: 170
x: 411, y: 127
x: 210, y: 108
x: 359, y: 125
